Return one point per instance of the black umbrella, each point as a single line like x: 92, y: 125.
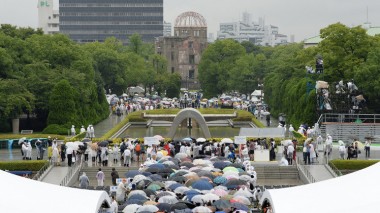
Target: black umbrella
x: 222, y: 204
x: 103, y: 143
x: 179, y: 179
x: 187, y: 164
x: 164, y: 207
x: 183, y: 210
x: 149, y: 192
x: 200, y: 157
x: 178, y: 206
x: 134, y: 201
x: 153, y: 170
x: 85, y: 140
x: 155, y: 177
x: 180, y: 173
x: 206, y: 174
x: 188, y: 204
x: 143, y: 184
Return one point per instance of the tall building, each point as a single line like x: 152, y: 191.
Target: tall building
x: 167, y: 29
x: 248, y: 30
x: 183, y: 50
x: 95, y: 20
x: 48, y: 18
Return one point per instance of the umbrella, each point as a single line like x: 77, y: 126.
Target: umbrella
x: 168, y: 163
x: 190, y: 182
x: 191, y: 193
x: 206, y: 173
x: 230, y: 169
x: 201, y: 140
x: 179, y: 173
x: 187, y: 139
x: 21, y: 140
x: 155, y: 177
x: 235, y: 182
x: 103, y: 143
x: 149, y: 202
x: 241, y: 199
x: 72, y: 145
x: 360, y: 144
x: 132, y: 173
x: 265, y: 113
x: 211, y: 197
x: 168, y: 199
x: 236, y: 165
x: 240, y: 206
x: 175, y: 167
x: 188, y: 204
x: 165, y: 193
x: 222, y: 204
x: 157, y: 165
x: 131, y: 208
x: 245, y: 178
x: 143, y: 183
x: 179, y: 179
x: 202, y: 185
x: 135, y: 201
x: 187, y: 164
x: 139, y: 178
x: 153, y: 170
x: 198, y: 199
x: 164, y: 207
x: 221, y: 164
x: 137, y: 197
x: 159, y: 137
x: 201, y: 209
x: 226, y: 140
x: 174, y: 186
x: 181, y: 190
x: 86, y: 140
x: 220, y: 192
x: 134, y: 192
x: 154, y: 187
x: 220, y: 180
x: 181, y: 155
x: 178, y: 206
x: 148, y: 208
x: 199, y: 162
x: 149, y: 192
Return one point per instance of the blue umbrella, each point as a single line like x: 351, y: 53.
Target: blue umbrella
x: 187, y: 139
x: 220, y: 180
x: 157, y: 165
x: 191, y: 193
x: 240, y: 206
x: 202, y: 185
x: 174, y: 186
x: 221, y: 164
x: 155, y: 177
x: 222, y: 204
x: 134, y: 201
x: 132, y: 173
x: 146, y: 174
x: 137, y: 197
x: 164, y: 207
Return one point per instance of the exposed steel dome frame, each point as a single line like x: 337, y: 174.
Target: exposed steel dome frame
x: 190, y: 19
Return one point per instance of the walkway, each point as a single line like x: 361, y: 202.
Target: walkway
x: 107, y: 124
x: 56, y: 175
x: 319, y: 172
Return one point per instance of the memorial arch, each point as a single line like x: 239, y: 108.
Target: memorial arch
x: 193, y: 114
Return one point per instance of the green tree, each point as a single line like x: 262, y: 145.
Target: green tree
x: 62, y: 104
x: 215, y: 67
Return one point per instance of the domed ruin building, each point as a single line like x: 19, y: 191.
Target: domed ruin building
x: 183, y: 50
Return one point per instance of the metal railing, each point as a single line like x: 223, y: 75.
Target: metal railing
x: 349, y: 118
x: 42, y: 170
x: 336, y: 171
x: 305, y: 172
x: 72, y: 171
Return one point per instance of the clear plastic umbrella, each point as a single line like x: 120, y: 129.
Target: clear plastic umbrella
x: 201, y: 140
x: 148, y: 208
x: 131, y: 208
x: 168, y: 199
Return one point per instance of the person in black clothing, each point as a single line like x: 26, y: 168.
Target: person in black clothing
x: 63, y: 152
x: 114, y: 176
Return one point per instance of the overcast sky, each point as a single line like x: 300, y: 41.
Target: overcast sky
x: 303, y: 18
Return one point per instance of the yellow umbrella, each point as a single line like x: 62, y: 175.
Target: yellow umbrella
x: 149, y: 202
x: 164, y: 152
x: 360, y: 144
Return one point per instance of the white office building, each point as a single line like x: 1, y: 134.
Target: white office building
x: 167, y: 29
x: 48, y: 18
x: 256, y: 32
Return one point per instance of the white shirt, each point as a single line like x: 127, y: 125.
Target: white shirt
x: 114, y: 208
x: 290, y: 149
x: 127, y: 152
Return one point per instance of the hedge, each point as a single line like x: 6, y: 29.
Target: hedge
x: 23, y: 165
x: 352, y: 164
x: 14, y: 136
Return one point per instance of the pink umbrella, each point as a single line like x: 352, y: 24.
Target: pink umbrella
x: 220, y: 192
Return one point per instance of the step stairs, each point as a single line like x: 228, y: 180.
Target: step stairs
x: 277, y: 172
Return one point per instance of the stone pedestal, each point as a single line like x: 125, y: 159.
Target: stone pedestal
x: 16, y: 126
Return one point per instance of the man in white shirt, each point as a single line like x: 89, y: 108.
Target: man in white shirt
x: 100, y: 177
x: 127, y: 157
x: 290, y: 151
x: 328, y: 144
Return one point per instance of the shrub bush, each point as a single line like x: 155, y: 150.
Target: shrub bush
x: 30, y: 165
x: 352, y: 164
x: 56, y: 129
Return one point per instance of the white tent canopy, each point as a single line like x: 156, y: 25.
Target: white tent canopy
x: 257, y: 93
x: 19, y: 194
x: 262, y: 132
x: 351, y: 193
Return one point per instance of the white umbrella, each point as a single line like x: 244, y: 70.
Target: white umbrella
x: 244, y: 193
x: 169, y: 182
x: 159, y: 137
x: 168, y: 199
x: 199, y: 199
x: 181, y: 190
x: 266, y: 113
x: 227, y: 140
x: 242, y: 199
x: 245, y: 178
x: 211, y: 197
x: 201, y: 209
x: 138, y: 178
x: 201, y: 140
x: 168, y: 163
x: 21, y: 140
x: 73, y: 145
x: 134, y: 192
x: 181, y: 155
x: 148, y: 208
x: 131, y: 208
